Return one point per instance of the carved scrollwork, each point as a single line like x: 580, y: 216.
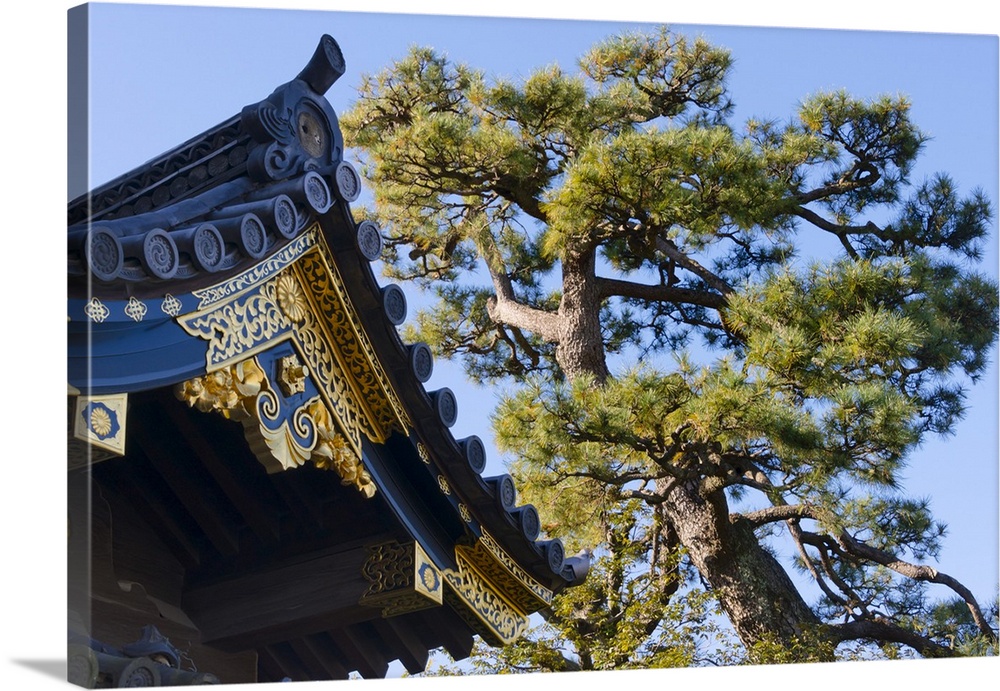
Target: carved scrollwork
x: 294, y: 132
x: 257, y: 274
x: 401, y: 579
x: 474, y: 597
x: 297, y: 295
x: 343, y: 328
x: 503, y: 571
x: 282, y: 436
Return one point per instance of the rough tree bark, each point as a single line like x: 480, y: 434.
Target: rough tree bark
x: 752, y: 587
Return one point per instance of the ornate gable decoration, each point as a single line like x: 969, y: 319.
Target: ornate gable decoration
x: 297, y: 298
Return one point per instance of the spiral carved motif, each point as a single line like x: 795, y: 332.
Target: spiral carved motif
x: 348, y: 182
x: 209, y: 247
x: 104, y: 254
x: 369, y: 240
x: 277, y: 161
x: 475, y: 453
x: 447, y: 406
x: 253, y: 237
x: 284, y: 216
x: 141, y: 672
x: 530, y: 523
x: 506, y: 492
x: 554, y: 554
x: 317, y: 192
x: 421, y: 361
x: 394, y: 304
x: 159, y: 254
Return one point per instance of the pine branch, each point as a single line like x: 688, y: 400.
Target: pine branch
x: 504, y: 307
x: 674, y: 253
x: 611, y: 287
x: 883, y: 630
x: 920, y: 573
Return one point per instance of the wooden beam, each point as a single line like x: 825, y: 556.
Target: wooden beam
x: 362, y: 652
x: 451, y: 629
x: 167, y: 453
x: 244, y: 495
x: 288, y: 662
x: 308, y: 514
x: 131, y: 478
x: 315, y: 593
x: 409, y: 649
x: 320, y: 667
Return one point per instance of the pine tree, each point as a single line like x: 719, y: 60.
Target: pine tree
x: 683, y: 390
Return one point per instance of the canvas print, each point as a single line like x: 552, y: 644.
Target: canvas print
x: 433, y: 345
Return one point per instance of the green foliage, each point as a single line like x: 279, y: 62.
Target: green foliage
x: 811, y: 646
x: 625, y: 196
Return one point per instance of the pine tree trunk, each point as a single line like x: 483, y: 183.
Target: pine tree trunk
x: 581, y: 341
x: 752, y: 587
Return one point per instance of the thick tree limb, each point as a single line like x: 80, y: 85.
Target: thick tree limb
x: 504, y: 307
x: 674, y: 253
x: 659, y: 293
x: 518, y: 315
x: 920, y: 573
x: 858, y: 549
x: 775, y: 514
x: 881, y: 630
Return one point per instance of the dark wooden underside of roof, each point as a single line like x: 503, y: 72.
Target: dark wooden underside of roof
x: 197, y: 521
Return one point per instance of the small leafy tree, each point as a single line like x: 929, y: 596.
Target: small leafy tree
x: 683, y: 388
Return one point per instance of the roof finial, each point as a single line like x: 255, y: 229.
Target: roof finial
x: 325, y: 67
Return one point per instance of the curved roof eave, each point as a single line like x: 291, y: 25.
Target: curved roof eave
x: 233, y: 199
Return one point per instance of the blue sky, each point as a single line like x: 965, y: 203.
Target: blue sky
x: 161, y: 74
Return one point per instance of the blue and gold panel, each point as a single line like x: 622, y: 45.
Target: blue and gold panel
x: 401, y: 579
x: 100, y: 421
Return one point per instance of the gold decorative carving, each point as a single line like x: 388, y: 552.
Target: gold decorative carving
x: 96, y: 310
x: 443, y: 484
x: 281, y: 440
x: 243, y: 326
x: 291, y: 299
x: 135, y: 309
x: 464, y: 511
x: 473, y: 596
x: 100, y: 421
x: 292, y: 375
x: 342, y: 327
x: 225, y: 391
x: 333, y: 453
x: 170, y: 305
x: 402, y: 579
x: 299, y: 295
x: 422, y: 452
x: 258, y: 273
x: 505, y: 573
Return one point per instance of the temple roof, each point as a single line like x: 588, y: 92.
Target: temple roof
x: 236, y: 256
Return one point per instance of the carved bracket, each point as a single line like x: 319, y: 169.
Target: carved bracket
x: 475, y: 598
x: 298, y: 295
x: 284, y: 432
x: 100, y: 421
x: 403, y: 579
